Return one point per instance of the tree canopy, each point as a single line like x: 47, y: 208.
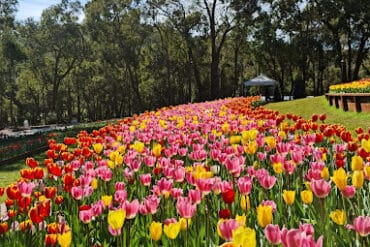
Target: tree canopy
x: 129, y: 56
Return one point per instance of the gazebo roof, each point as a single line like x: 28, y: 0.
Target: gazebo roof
x: 260, y: 80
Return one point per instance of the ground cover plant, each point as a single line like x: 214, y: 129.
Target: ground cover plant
x: 206, y: 174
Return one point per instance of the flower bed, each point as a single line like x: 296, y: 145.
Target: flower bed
x: 353, y: 96
x: 207, y: 174
x: 360, y: 86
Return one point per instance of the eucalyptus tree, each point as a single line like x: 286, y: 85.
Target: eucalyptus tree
x: 10, y: 55
x: 118, y: 36
x: 183, y: 18
x: 55, y: 47
x: 348, y: 22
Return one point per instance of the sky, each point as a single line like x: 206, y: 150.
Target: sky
x: 34, y: 8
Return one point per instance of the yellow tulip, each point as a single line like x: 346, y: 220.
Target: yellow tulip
x: 241, y: 219
x: 107, y: 200
x: 340, y: 178
x: 367, y: 171
x: 307, y: 196
x: 270, y: 141
x: 338, y: 216
x: 264, y: 215
x: 365, y: 144
x: 245, y: 203
x: 184, y: 224
x: 122, y: 149
x: 116, y: 218
x: 358, y: 179
x: 65, y: 239
x: 235, y: 139
x: 172, y: 230
x: 157, y: 150
x: 325, y: 173
x: 155, y: 230
x: 289, y: 196
x: 225, y: 127
x: 278, y: 167
x: 138, y: 146
x: 98, y: 148
x: 244, y: 237
x: 94, y: 183
x: 251, y: 148
x: 357, y: 163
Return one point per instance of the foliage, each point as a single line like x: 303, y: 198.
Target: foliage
x: 135, y: 55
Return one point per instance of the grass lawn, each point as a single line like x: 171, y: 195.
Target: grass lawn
x: 319, y: 105
x: 9, y: 173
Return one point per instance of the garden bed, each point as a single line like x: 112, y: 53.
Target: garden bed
x: 355, y: 102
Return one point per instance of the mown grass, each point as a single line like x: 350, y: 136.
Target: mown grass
x: 319, y: 105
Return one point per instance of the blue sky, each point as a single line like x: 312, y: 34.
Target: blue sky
x: 34, y: 8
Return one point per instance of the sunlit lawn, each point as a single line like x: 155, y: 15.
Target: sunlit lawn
x: 319, y: 105
x: 10, y: 172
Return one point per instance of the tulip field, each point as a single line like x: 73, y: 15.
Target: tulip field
x: 220, y: 173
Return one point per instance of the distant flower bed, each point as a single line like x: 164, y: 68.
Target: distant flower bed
x: 360, y: 86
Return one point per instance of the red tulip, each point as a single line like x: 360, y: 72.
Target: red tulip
x: 228, y: 196
x: 31, y: 162
x: 50, y: 192
x: 224, y: 214
x: 34, y: 215
x: 322, y: 117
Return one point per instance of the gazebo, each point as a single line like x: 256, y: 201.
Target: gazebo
x: 259, y: 81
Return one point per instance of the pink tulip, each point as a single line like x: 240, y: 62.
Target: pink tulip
x: 25, y: 188
x: 320, y: 188
x: 86, y: 216
x: 77, y: 193
x: 89, y: 165
x: 267, y: 182
x: 149, y: 205
x: 165, y: 185
x: 98, y: 208
x: 234, y: 166
x: 134, y: 165
x: 179, y: 174
x: 261, y: 156
x: 120, y: 186
x: 185, y: 208
x: 114, y: 232
x: 87, y: 191
x: 227, y: 227
x: 313, y: 174
x: 85, y: 180
x: 349, y: 191
x: 289, y: 167
x: 205, y: 185
x: 149, y: 161
x: 104, y: 173
x: 273, y: 234
x: 182, y: 151
x: 361, y: 225
x: 131, y: 208
x: 298, y: 238
x: 145, y: 179
x: 245, y: 185
x: 195, y: 196
x: 120, y: 196
x: 176, y: 193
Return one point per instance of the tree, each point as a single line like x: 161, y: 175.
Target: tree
x: 56, y: 46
